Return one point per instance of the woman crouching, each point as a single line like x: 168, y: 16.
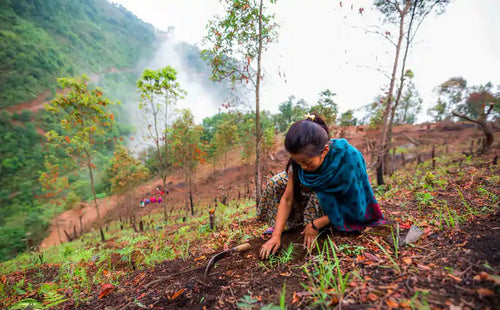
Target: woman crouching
x: 325, y: 183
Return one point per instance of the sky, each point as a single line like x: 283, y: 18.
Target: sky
x: 323, y: 45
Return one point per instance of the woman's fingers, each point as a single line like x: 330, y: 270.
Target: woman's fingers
x: 267, y: 249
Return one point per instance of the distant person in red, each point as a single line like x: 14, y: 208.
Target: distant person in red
x: 153, y: 199
x: 159, y: 200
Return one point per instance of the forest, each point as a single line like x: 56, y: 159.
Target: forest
x: 90, y: 217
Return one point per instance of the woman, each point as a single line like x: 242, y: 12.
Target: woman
x: 325, y: 184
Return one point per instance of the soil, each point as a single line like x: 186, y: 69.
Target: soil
x: 446, y: 269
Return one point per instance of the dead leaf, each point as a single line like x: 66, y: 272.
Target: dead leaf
x: 372, y: 257
x: 483, y: 292
x: 423, y: 267
x: 295, y: 298
x: 106, y: 289
x: 200, y: 258
x: 372, y: 297
x: 407, y: 260
x: 178, y: 293
x: 454, y: 277
x: 486, y: 276
x: 391, y: 303
x: 334, y: 300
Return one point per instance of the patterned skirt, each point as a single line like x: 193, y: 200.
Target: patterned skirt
x: 304, y: 210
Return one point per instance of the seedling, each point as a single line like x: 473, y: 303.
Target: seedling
x: 396, y: 266
x: 326, y: 274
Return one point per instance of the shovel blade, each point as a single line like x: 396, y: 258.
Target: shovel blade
x: 218, y: 257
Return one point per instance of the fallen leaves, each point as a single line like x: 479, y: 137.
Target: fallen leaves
x: 106, y: 289
x: 484, y: 292
x: 486, y: 276
x: 372, y: 257
x: 391, y: 303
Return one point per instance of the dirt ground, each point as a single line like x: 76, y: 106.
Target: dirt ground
x: 238, y: 178
x: 449, y: 269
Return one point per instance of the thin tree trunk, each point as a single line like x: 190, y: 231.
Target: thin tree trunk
x: 164, y: 175
x: 89, y: 163
x: 382, y: 151
x: 402, y: 78
x: 191, y: 194
x: 257, y: 113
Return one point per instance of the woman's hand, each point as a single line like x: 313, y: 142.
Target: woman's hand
x: 310, y: 235
x: 270, y: 247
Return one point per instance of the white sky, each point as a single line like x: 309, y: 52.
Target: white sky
x: 322, y: 45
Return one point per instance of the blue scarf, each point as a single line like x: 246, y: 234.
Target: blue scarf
x: 342, y: 186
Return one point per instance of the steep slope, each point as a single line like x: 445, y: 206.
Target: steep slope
x: 45, y: 39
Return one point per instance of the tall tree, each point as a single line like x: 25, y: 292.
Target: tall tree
x: 407, y: 16
x: 237, y: 42
x: 85, y: 117
x: 159, y: 89
x: 187, y: 148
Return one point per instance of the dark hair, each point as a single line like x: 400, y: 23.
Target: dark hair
x: 308, y: 136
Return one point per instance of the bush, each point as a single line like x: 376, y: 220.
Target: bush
x: 25, y: 116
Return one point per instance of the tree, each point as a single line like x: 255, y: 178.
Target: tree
x: 347, y: 118
x: 226, y: 137
x: 158, y: 90
x: 187, y: 148
x: 407, y: 16
x: 54, y: 186
x: 476, y: 108
x: 237, y: 42
x: 451, y: 93
x: 373, y: 112
x: 85, y: 118
x: 326, y: 107
x: 125, y: 172
x: 290, y: 111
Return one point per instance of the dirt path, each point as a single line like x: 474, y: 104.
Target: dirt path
x: 41, y: 100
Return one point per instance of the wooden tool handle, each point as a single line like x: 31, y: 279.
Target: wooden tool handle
x: 243, y: 247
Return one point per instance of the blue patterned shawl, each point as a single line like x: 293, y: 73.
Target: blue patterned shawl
x: 342, y: 186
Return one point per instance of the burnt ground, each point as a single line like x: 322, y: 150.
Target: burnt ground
x: 451, y: 267
x: 180, y: 284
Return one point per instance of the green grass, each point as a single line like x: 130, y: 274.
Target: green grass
x: 327, y: 281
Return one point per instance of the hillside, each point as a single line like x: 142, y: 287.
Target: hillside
x: 39, y: 42
x: 45, y: 39
x: 455, y: 262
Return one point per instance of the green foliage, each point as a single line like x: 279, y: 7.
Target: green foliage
x: 45, y: 39
x: 159, y: 89
x: 125, y: 172
x: 234, y: 41
x: 409, y: 105
x: 290, y: 112
x: 347, y: 118
x: 326, y: 107
x: 324, y: 274
x: 187, y: 148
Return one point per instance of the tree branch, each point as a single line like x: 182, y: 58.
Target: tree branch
x: 490, y: 108
x: 454, y: 113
